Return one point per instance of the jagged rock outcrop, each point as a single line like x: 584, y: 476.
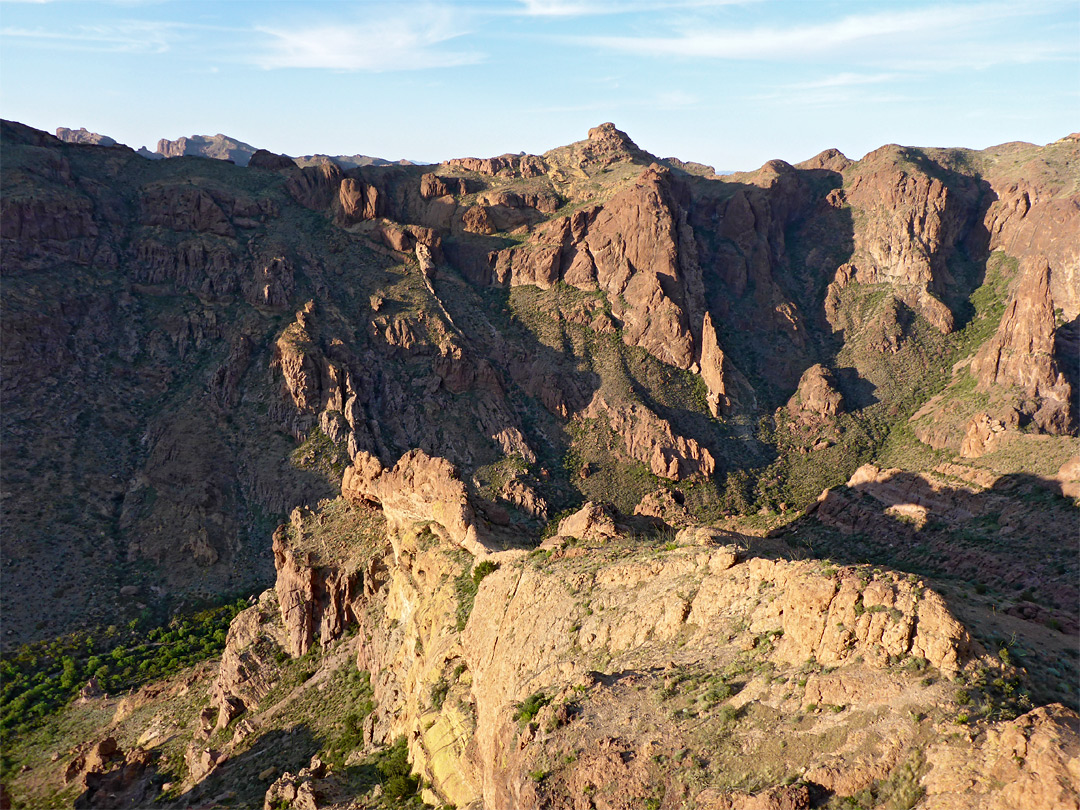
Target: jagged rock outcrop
x: 262, y: 159
x: 817, y: 394
x: 242, y: 678
x: 591, y: 522
x: 1029, y: 763
x: 504, y: 166
x: 299, y: 790
x: 315, y: 601
x: 218, y: 147
x: 728, y: 389
x: 110, y: 778
x: 639, y: 249
x: 83, y: 135
x: 1022, y: 353
x: 982, y: 435
x: 649, y: 439
x: 913, y: 223
x: 418, y: 489
x: 665, y: 504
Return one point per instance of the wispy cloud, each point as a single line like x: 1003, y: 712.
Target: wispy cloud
x: 135, y: 37
x: 405, y: 42
x: 843, y: 80
x: 585, y: 8
x: 930, y: 31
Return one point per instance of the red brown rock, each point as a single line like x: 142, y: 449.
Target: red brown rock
x: 1030, y: 763
x: 817, y: 394
x: 649, y: 439
x: 269, y: 161
x: 1022, y: 352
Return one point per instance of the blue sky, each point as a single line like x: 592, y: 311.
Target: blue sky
x: 731, y: 83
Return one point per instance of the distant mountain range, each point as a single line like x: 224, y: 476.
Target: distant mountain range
x: 219, y: 147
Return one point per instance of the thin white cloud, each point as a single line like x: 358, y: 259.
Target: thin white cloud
x: 844, y: 80
x: 121, y: 37
x: 405, y: 42
x: 585, y: 8
x: 877, y: 35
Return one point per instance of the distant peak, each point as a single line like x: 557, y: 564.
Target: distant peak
x: 608, y: 133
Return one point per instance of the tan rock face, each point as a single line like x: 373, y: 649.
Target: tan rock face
x: 665, y: 505
x: 242, y: 680
x: 591, y: 522
x: 649, y: 439
x: 1029, y: 763
x: 419, y: 489
x: 639, y: 249
x: 983, y: 435
x: 726, y: 385
x: 913, y: 223
x: 315, y: 601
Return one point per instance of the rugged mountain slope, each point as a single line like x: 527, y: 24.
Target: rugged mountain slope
x: 191, y: 349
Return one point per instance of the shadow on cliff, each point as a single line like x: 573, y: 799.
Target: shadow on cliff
x: 954, y: 534
x: 1067, y: 358
x: 237, y: 782
x: 1004, y: 559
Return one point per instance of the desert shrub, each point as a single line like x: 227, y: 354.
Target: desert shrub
x: 526, y: 710
x: 466, y: 586
x: 41, y: 678
x: 394, y: 766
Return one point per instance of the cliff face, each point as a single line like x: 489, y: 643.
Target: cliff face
x: 607, y: 317
x: 585, y: 670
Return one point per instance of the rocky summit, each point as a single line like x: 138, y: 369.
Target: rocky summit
x: 589, y: 479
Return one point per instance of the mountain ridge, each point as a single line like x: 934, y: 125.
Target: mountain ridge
x: 588, y: 372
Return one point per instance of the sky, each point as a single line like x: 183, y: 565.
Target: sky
x: 728, y: 83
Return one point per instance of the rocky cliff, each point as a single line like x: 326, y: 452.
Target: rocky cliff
x: 614, y: 669
x: 428, y: 369
x: 608, y: 317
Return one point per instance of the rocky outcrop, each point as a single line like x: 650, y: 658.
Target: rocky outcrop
x: 184, y: 208
x: 665, y: 504
x: 217, y: 147
x: 817, y: 394
x: 419, y: 489
x: 300, y: 790
x: 109, y: 778
x: 1029, y: 763
x: 638, y: 248
x: 83, y: 135
x: 243, y: 675
x: 727, y: 388
x: 433, y: 186
x: 649, y: 439
x: 1022, y: 353
x: 262, y: 159
x: 591, y: 522
x: 508, y: 166
x: 982, y: 435
x: 913, y: 222
x: 315, y: 601
x: 357, y: 201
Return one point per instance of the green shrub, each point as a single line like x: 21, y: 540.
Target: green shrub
x: 466, y: 586
x: 399, y: 783
x: 526, y: 710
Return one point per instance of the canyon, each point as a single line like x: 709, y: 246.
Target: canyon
x: 583, y: 479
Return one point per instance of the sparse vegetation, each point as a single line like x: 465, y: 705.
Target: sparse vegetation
x: 467, y: 584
